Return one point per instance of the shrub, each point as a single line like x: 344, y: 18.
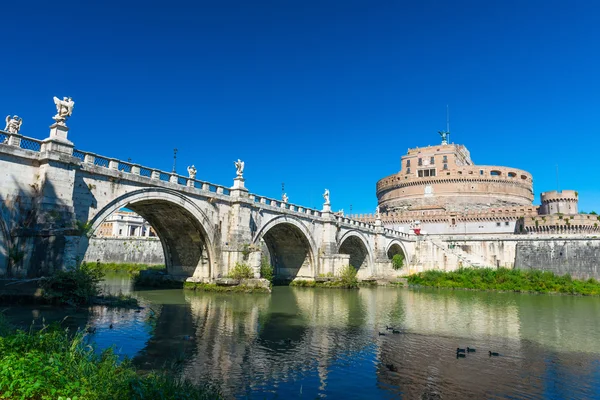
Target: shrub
x: 398, y: 261
x: 506, y: 280
x: 348, y: 277
x: 241, y: 271
x: 75, y: 287
x: 266, y: 269
x: 53, y: 364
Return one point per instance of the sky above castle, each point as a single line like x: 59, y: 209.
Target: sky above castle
x: 314, y: 94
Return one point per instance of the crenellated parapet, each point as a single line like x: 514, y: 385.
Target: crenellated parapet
x: 560, y: 223
x: 492, y: 214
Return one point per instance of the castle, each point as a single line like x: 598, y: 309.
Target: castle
x: 441, y: 191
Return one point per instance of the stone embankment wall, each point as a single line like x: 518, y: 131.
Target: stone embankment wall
x: 125, y: 250
x: 578, y: 257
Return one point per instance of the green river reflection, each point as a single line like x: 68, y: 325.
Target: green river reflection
x: 308, y: 343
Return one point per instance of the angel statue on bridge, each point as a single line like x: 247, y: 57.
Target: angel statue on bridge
x: 239, y: 165
x: 192, y: 171
x: 326, y: 196
x: 13, y: 124
x: 64, y: 109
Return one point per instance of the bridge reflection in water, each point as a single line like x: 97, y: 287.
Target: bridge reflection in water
x: 326, y: 342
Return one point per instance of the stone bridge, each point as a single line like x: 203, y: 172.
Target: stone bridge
x: 54, y: 197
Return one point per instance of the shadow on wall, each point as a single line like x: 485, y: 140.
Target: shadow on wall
x: 37, y: 230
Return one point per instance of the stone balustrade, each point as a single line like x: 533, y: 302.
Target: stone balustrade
x: 18, y: 140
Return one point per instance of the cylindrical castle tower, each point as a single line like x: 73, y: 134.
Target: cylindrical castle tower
x: 445, y: 178
x: 559, y: 202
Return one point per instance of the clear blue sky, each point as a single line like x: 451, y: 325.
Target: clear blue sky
x: 316, y: 94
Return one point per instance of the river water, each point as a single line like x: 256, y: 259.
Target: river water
x: 311, y: 343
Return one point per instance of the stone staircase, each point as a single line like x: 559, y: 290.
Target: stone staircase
x: 467, y: 260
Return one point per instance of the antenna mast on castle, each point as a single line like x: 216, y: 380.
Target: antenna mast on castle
x: 447, y: 123
x: 446, y: 134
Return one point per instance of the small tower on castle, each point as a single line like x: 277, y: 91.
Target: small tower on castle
x: 559, y: 202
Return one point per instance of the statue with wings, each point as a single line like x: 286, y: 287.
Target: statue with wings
x: 13, y: 124
x: 326, y: 196
x: 239, y: 166
x: 64, y: 109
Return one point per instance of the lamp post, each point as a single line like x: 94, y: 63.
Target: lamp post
x: 174, y: 159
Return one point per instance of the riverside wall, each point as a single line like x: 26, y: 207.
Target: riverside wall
x: 577, y: 255
x: 125, y: 250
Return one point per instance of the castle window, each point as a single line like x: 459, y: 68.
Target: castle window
x: 512, y: 174
x: 445, y: 166
x: 432, y: 160
x: 445, y: 159
x: 506, y: 223
x: 498, y: 224
x: 420, y: 162
x: 408, y: 170
x: 480, y: 172
x: 407, y: 163
x: 495, y: 173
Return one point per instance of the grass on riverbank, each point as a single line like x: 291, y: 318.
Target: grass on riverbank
x: 211, y: 287
x: 52, y: 364
x: 130, y: 268
x: 345, y: 280
x: 504, y: 279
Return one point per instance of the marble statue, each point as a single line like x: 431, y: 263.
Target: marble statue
x: 341, y: 212
x: 326, y: 196
x: 13, y: 124
x: 64, y: 109
x: 192, y: 171
x: 239, y: 165
x: 377, y: 212
x: 284, y: 198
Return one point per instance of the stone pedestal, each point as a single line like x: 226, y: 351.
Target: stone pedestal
x: 238, y: 189
x: 14, y: 139
x: 58, y: 142
x: 238, y: 183
x: 326, y: 208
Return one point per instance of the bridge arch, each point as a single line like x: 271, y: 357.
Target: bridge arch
x: 396, y: 247
x: 184, y: 229
x: 291, y: 247
x: 355, y: 244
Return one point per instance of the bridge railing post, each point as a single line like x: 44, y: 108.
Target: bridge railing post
x: 113, y: 163
x: 135, y: 169
x: 155, y: 174
x: 14, y: 139
x: 89, y: 158
x: 173, y: 178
